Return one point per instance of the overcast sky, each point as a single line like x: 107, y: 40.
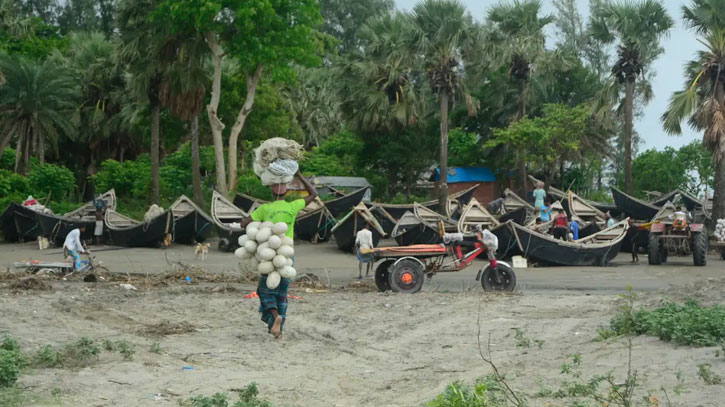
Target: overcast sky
x: 679, y: 47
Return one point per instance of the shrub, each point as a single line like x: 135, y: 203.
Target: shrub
x: 11, y: 183
x: 79, y: 353
x: 7, y: 159
x: 684, y: 324
x: 50, y: 179
x: 129, y: 178
x: 11, y: 361
x: 458, y: 395
x: 248, y: 397
x: 175, y: 173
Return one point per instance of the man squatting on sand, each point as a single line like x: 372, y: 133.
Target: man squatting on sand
x: 273, y: 302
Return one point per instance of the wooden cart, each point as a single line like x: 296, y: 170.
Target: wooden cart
x: 49, y: 267
x: 403, y: 269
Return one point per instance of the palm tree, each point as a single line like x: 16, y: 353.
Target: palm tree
x: 143, y: 50
x: 184, y: 91
x: 702, y: 100
x: 93, y: 60
x: 638, y: 28
x: 11, y: 21
x: 314, y: 104
x: 36, y: 103
x: 521, y: 44
x: 439, y: 33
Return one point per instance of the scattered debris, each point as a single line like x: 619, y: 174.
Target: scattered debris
x: 307, y: 280
x: 30, y: 283
x: 165, y: 327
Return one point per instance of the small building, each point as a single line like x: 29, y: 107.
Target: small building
x: 332, y: 186
x: 462, y: 178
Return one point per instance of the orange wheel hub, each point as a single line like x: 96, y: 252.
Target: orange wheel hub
x: 407, y: 278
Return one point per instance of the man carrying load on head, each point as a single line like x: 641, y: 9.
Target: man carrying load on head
x: 273, y: 301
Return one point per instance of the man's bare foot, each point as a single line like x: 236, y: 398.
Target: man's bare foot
x: 276, y: 330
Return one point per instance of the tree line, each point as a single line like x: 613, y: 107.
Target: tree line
x: 369, y: 90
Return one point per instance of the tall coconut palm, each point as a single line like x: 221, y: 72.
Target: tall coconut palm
x: 183, y: 93
x: 439, y: 33
x: 637, y: 27
x: 314, y: 104
x: 521, y: 44
x: 36, y: 103
x: 702, y: 101
x: 144, y: 46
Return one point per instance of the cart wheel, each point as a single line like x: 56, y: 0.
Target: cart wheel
x: 407, y: 277
x: 382, y: 276
x: 506, y: 280
x: 223, y: 245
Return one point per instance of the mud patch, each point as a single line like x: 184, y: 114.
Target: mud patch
x: 164, y: 328
x: 30, y: 283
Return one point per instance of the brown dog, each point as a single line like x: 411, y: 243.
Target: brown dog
x: 201, y: 250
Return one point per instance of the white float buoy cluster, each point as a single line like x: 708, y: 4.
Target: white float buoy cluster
x: 266, y: 249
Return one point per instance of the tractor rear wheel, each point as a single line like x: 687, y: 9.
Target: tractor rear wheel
x: 654, y: 249
x: 407, y: 277
x: 699, y: 249
x: 382, y: 276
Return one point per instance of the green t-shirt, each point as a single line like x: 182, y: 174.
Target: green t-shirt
x: 280, y: 211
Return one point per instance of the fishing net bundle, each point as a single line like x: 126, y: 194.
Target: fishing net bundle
x: 275, y: 160
x: 267, y: 250
x: 720, y: 230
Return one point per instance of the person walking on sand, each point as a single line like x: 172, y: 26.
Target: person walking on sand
x: 539, y: 195
x: 363, y: 240
x: 273, y: 301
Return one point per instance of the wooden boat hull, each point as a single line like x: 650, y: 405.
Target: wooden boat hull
x: 56, y: 228
x: 507, y: 244
x: 244, y: 202
x: 418, y: 234
x: 341, y: 206
x: 314, y: 227
x: 553, y: 252
x: 149, y: 234
x: 517, y: 216
x: 588, y: 230
x: 346, y: 232
x: 633, y: 207
x: 19, y: 224
x: 192, y: 228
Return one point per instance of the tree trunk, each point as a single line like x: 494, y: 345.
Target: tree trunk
x: 19, y: 154
x: 215, y: 124
x: 252, y: 82
x: 443, y: 182
x: 155, y: 117
x: 41, y: 148
x: 718, y: 201
x: 628, y: 112
x: 523, y: 177
x: 195, y: 173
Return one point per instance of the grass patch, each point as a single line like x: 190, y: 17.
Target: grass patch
x: 523, y: 341
x: 704, y: 372
x: 123, y: 347
x: 248, y: 397
x: 155, y: 347
x: 11, y: 362
x: 684, y: 324
x: 80, y: 353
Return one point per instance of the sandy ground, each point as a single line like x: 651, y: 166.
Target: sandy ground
x: 349, y: 346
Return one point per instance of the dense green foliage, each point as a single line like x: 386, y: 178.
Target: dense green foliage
x: 11, y: 361
x: 684, y: 324
x: 107, y: 91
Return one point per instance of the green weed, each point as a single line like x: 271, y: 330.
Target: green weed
x: 123, y: 347
x: 248, y: 397
x: 155, y: 347
x: 79, y: 353
x: 704, y: 371
x: 684, y: 324
x: 11, y: 361
x: 523, y: 341
x: 458, y: 395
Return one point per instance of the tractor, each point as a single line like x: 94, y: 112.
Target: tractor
x: 675, y: 235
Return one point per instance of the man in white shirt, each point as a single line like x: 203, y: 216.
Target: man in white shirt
x: 364, y: 240
x: 74, y: 246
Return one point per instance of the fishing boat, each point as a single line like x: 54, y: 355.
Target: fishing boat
x: 336, y: 207
x: 386, y: 220
x: 507, y: 244
x: 247, y: 203
x: 699, y: 208
x: 314, y: 223
x: 474, y: 214
x: 512, y: 202
x: 227, y: 219
x: 56, y: 228
x: 633, y: 207
x: 19, y: 223
x: 345, y: 231
x: 595, y: 250
x: 411, y: 230
x: 591, y: 220
x: 191, y: 223
x: 462, y: 198
x: 558, y: 194
x: 127, y: 232
x: 521, y: 216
